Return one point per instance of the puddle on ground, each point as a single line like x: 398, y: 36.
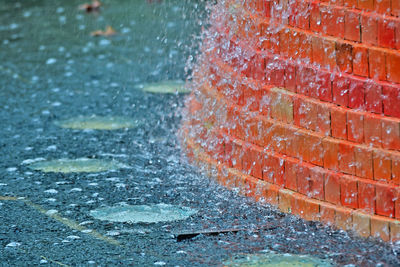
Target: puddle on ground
x: 143, y: 213
x: 97, y: 123
x: 166, y: 87
x: 77, y: 165
x: 277, y: 260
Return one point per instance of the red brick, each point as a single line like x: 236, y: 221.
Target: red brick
x: 365, y: 4
x: 332, y: 21
x: 346, y: 158
x: 385, y: 197
x: 366, y: 196
x: 369, y: 28
x: 331, y: 149
x: 397, y: 34
x: 377, y: 64
x: 350, y: 3
x: 386, y: 33
x: 338, y: 123
x: 348, y: 191
x: 355, y: 126
x: 299, y: 15
x: 390, y: 134
x: 318, y: 52
x: 391, y: 100
x: 320, y: 88
x: 360, y: 61
x: 352, y: 26
x: 332, y: 188
x: 382, y: 166
x: 340, y: 90
x: 373, y: 98
x: 372, y: 131
x: 364, y: 162
x: 344, y: 57
x: 356, y: 94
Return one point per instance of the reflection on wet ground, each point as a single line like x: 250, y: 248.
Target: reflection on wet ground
x: 51, y: 70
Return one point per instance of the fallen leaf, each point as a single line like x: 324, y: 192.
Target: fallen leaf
x: 93, y: 7
x: 108, y: 32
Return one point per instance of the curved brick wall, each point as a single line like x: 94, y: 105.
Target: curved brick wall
x: 297, y: 103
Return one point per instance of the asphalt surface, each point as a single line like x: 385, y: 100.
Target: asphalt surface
x: 51, y: 69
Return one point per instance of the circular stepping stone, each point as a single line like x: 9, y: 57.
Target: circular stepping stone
x: 142, y: 213
x: 97, y: 123
x: 277, y: 260
x: 166, y: 87
x: 76, y: 165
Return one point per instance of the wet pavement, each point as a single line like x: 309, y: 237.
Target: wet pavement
x: 52, y: 69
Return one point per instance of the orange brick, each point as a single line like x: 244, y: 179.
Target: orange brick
x: 273, y: 170
x: 312, y: 210
x: 316, y: 183
x: 256, y: 158
x: 390, y: 134
x: 366, y: 196
x: 369, y: 28
x: 372, y: 131
x: 394, y: 231
x: 355, y: 126
x: 331, y: 155
x: 395, y: 8
x: 393, y: 66
x: 382, y: 6
x: 377, y: 64
x: 396, y: 168
x: 291, y: 175
x: 285, y: 199
x: 332, y: 188
x: 344, y: 57
x: 346, y: 158
x: 313, y: 149
x: 343, y: 218
x: 323, y: 119
x: 338, y: 123
x: 305, y: 113
x: 382, y: 166
x: 272, y: 195
x: 352, y: 26
x: 303, y: 178
x: 348, y: 191
x: 360, y: 63
x: 364, y: 162
x: 318, y: 53
x: 380, y: 228
x: 362, y: 224
x: 327, y: 213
